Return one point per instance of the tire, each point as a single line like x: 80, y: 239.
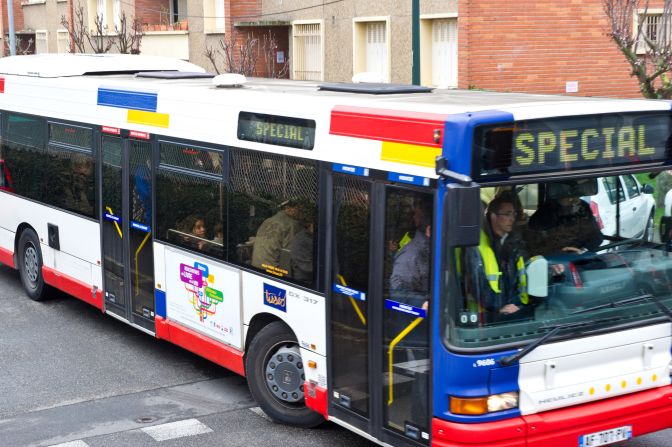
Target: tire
x: 30, y: 266
x: 648, y: 231
x: 275, y: 348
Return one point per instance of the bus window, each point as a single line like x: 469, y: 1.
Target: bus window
x: 272, y: 215
x: 190, y: 203
x: 598, y: 251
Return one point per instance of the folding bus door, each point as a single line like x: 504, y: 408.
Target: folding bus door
x: 380, y: 292
x: 128, y: 264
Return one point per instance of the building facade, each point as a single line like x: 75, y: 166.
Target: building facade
x: 536, y: 46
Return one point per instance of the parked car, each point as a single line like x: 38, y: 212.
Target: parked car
x: 636, y: 207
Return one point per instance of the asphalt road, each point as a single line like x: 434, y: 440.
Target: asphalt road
x: 73, y: 377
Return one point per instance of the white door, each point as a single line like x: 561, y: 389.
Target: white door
x: 376, y: 48
x: 444, y: 53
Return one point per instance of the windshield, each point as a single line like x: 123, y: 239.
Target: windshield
x: 561, y: 252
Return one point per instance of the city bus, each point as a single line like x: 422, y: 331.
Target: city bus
x: 349, y: 248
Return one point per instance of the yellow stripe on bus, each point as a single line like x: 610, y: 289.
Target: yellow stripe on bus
x: 148, y: 118
x: 410, y: 154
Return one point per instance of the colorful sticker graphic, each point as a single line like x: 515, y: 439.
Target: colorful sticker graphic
x: 202, y: 297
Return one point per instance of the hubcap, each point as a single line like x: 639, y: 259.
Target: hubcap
x: 284, y: 374
x: 30, y: 263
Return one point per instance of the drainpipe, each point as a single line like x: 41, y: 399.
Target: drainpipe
x: 415, y: 31
x: 71, y: 25
x: 10, y: 19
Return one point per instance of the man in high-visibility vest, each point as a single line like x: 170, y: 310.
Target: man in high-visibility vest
x: 502, y: 261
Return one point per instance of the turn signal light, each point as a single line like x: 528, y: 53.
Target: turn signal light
x: 460, y: 405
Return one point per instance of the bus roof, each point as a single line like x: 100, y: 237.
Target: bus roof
x: 349, y: 127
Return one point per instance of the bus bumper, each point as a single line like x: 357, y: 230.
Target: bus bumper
x: 646, y: 412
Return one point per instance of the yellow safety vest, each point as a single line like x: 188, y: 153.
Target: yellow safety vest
x: 493, y: 273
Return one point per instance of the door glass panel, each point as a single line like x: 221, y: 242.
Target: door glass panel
x: 140, y: 231
x: 113, y: 249
x: 408, y: 226
x: 350, y: 294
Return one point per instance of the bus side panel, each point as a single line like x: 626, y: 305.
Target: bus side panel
x: 159, y: 251
x: 79, y: 238
x: 6, y: 247
x: 302, y: 311
x: 202, y: 295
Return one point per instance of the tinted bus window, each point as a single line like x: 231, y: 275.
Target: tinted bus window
x: 70, y: 178
x: 191, y: 157
x: 272, y: 215
x: 81, y: 137
x: 23, y: 153
x: 190, y: 211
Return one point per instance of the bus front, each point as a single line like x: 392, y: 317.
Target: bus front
x: 555, y: 294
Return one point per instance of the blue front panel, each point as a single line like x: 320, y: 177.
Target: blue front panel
x: 454, y: 374
x: 128, y: 99
x: 160, y: 302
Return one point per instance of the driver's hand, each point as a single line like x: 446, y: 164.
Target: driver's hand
x: 509, y: 309
x: 578, y: 251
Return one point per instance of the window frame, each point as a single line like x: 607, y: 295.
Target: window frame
x: 359, y: 31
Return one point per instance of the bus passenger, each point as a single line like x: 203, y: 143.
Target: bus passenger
x: 565, y: 220
x: 501, y: 253
x: 410, y: 268
x: 274, y: 236
x: 194, y: 225
x: 302, y: 246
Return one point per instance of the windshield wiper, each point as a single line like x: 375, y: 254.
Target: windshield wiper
x: 509, y: 359
x: 637, y: 299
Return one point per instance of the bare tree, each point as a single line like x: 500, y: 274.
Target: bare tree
x: 269, y: 49
x: 99, y: 41
x: 21, y: 48
x: 128, y: 38
x: 239, y: 57
x: 77, y: 30
x: 645, y: 41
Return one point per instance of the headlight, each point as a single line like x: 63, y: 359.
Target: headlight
x: 485, y: 404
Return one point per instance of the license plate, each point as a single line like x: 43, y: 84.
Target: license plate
x: 606, y: 437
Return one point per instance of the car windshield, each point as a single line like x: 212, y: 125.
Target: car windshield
x: 562, y: 252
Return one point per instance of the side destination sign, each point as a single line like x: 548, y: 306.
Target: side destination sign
x: 577, y: 142
x: 285, y: 131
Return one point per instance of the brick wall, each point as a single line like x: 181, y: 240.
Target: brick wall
x: 153, y: 12
x: 537, y: 46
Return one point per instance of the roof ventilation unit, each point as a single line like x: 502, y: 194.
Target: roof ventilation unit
x: 229, y: 80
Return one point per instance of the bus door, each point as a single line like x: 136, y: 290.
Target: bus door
x: 380, y: 293
x: 126, y: 223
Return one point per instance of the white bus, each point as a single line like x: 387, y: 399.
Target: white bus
x: 329, y: 242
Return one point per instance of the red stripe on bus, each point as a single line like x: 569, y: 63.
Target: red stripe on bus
x: 316, y: 398
x: 646, y: 411
x: 212, y: 350
x: 6, y: 257
x: 73, y: 286
x: 388, y: 125
x: 2, y: 85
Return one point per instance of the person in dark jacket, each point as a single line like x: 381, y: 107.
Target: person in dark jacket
x: 566, y: 224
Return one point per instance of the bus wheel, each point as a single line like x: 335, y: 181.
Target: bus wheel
x: 275, y: 376
x: 30, y: 265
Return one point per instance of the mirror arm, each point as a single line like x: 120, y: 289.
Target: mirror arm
x: 443, y: 171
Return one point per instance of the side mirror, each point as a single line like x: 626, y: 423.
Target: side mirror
x: 462, y: 208
x: 537, y: 276
x: 647, y: 189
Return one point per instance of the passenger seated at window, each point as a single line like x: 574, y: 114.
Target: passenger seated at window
x: 193, y: 231
x: 302, y: 246
x: 219, y: 234
x: 564, y: 223
x: 274, y: 236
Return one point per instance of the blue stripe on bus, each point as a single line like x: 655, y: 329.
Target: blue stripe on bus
x: 128, y: 99
x: 138, y: 226
x: 405, y: 308
x: 160, y: 302
x: 356, y: 294
x: 405, y: 178
x: 354, y: 170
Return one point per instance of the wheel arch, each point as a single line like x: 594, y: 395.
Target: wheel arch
x: 258, y: 322
x: 19, y: 231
